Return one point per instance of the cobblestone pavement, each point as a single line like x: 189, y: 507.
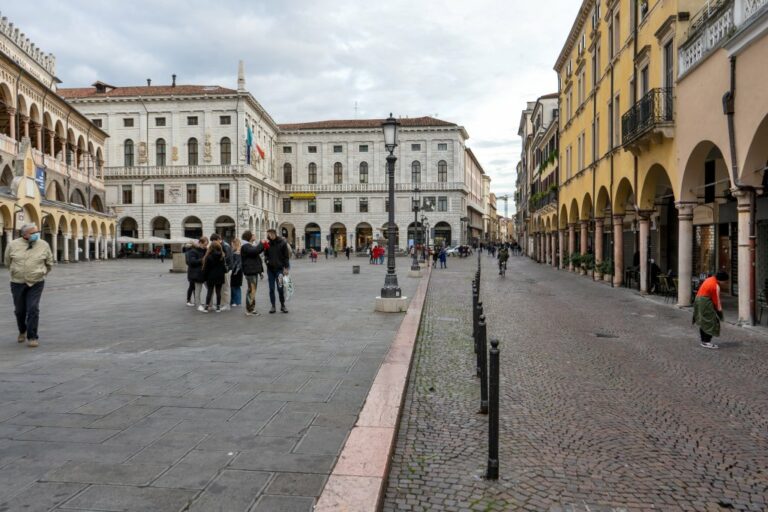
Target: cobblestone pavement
x: 135, y: 402
x: 607, y: 402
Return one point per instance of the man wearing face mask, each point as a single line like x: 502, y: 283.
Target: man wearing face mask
x: 29, y: 260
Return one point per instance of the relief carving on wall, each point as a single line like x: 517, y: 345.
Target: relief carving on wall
x: 174, y: 153
x: 207, y: 148
x: 174, y: 194
x: 142, y: 152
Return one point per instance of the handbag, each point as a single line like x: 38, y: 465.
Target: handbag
x: 288, y: 287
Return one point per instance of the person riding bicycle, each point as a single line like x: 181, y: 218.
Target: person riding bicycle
x: 503, y: 257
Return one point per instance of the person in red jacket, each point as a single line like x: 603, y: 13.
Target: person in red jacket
x: 707, y: 309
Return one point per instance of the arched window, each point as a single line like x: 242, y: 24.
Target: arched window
x: 287, y: 174
x: 363, y: 172
x: 416, y: 172
x: 312, y: 173
x: 192, y: 151
x: 338, y: 173
x: 226, y: 151
x: 442, y: 171
x: 160, y: 152
x: 128, y: 153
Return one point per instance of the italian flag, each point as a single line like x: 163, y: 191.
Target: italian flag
x: 261, y: 151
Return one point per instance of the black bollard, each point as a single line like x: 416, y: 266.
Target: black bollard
x: 493, y: 414
x: 482, y: 361
x: 475, y: 298
x: 478, y: 314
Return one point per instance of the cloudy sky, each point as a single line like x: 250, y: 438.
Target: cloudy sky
x: 473, y: 62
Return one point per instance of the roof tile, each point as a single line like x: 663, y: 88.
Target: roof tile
x: 145, y: 90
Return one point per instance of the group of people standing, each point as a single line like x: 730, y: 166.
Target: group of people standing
x: 223, y: 267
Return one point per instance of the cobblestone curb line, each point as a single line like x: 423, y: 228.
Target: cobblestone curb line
x: 357, y: 483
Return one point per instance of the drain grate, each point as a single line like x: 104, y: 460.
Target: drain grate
x: 605, y: 335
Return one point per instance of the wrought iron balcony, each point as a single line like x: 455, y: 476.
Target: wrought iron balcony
x: 652, y: 115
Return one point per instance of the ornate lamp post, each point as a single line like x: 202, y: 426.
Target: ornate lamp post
x: 391, y: 290
x: 415, y: 203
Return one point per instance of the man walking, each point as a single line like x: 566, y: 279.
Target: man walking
x: 29, y: 259
x: 253, y: 269
x: 278, y: 264
x: 229, y: 260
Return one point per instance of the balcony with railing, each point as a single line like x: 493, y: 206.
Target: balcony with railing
x: 372, y: 187
x: 8, y: 145
x: 711, y: 26
x: 173, y: 171
x: 545, y: 199
x: 649, y: 119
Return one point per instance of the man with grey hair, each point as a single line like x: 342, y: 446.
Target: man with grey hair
x: 29, y: 260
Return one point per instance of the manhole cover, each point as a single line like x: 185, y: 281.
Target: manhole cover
x: 605, y: 335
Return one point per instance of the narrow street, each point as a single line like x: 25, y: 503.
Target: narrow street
x: 607, y: 402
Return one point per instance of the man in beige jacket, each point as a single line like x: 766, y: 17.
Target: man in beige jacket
x: 29, y: 260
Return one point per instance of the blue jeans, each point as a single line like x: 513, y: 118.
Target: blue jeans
x: 237, y: 296
x: 26, y: 302
x: 272, y: 279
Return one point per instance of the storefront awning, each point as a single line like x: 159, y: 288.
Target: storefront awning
x: 304, y: 195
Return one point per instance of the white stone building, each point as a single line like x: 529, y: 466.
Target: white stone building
x: 179, y: 163
x: 333, y: 175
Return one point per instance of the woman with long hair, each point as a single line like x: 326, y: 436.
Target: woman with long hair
x: 214, y: 270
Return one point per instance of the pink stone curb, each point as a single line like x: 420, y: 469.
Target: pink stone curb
x: 357, y: 481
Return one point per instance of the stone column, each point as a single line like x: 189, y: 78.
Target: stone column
x: 55, y: 247
x: 571, y: 243
x: 545, y: 243
x: 553, y: 250
x: 97, y: 248
x: 86, y: 248
x: 685, y: 253
x: 25, y: 126
x: 65, y: 252
x: 584, y: 236
x: 598, y: 241
x: 76, y: 242
x: 52, y: 142
x: 38, y: 136
x: 561, y: 243
x: 12, y: 124
x: 744, y: 209
x: 104, y: 248
x: 645, y: 230
x: 618, y: 250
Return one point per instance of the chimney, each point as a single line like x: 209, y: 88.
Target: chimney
x: 173, y: 84
x: 240, y: 76
x: 149, y: 82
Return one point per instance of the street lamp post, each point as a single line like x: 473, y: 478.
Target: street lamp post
x: 391, y: 290
x: 424, y: 238
x: 415, y: 203
x: 465, y: 220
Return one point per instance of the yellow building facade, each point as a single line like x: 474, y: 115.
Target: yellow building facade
x: 51, y: 158
x: 618, y: 163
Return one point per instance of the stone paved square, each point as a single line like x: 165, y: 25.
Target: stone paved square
x: 134, y: 401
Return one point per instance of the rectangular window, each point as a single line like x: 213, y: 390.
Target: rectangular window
x: 429, y: 203
x: 225, y: 119
x: 287, y: 149
x: 644, y: 82
x: 337, y: 205
x: 159, y: 121
x: 224, y: 192
x: 191, y: 193
x: 616, y: 33
x: 312, y: 206
x: 337, y: 149
x: 159, y: 194
x: 363, y: 205
x: 669, y: 77
x: 96, y: 122
x: 442, y: 146
x: 415, y: 147
x: 127, y: 194
x: 286, y: 205
x: 442, y: 204
x: 191, y: 120
x: 312, y: 149
x: 127, y: 122
x: 617, y: 121
x: 363, y: 148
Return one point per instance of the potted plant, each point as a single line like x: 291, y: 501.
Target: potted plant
x: 576, y: 261
x: 587, y: 263
x: 599, y: 271
x: 607, y: 270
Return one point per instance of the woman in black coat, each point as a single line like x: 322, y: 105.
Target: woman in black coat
x: 214, y: 271
x: 194, y: 258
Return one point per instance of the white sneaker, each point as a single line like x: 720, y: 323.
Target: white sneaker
x: 709, y: 345
x: 201, y: 309
x: 191, y: 304
x: 225, y: 308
